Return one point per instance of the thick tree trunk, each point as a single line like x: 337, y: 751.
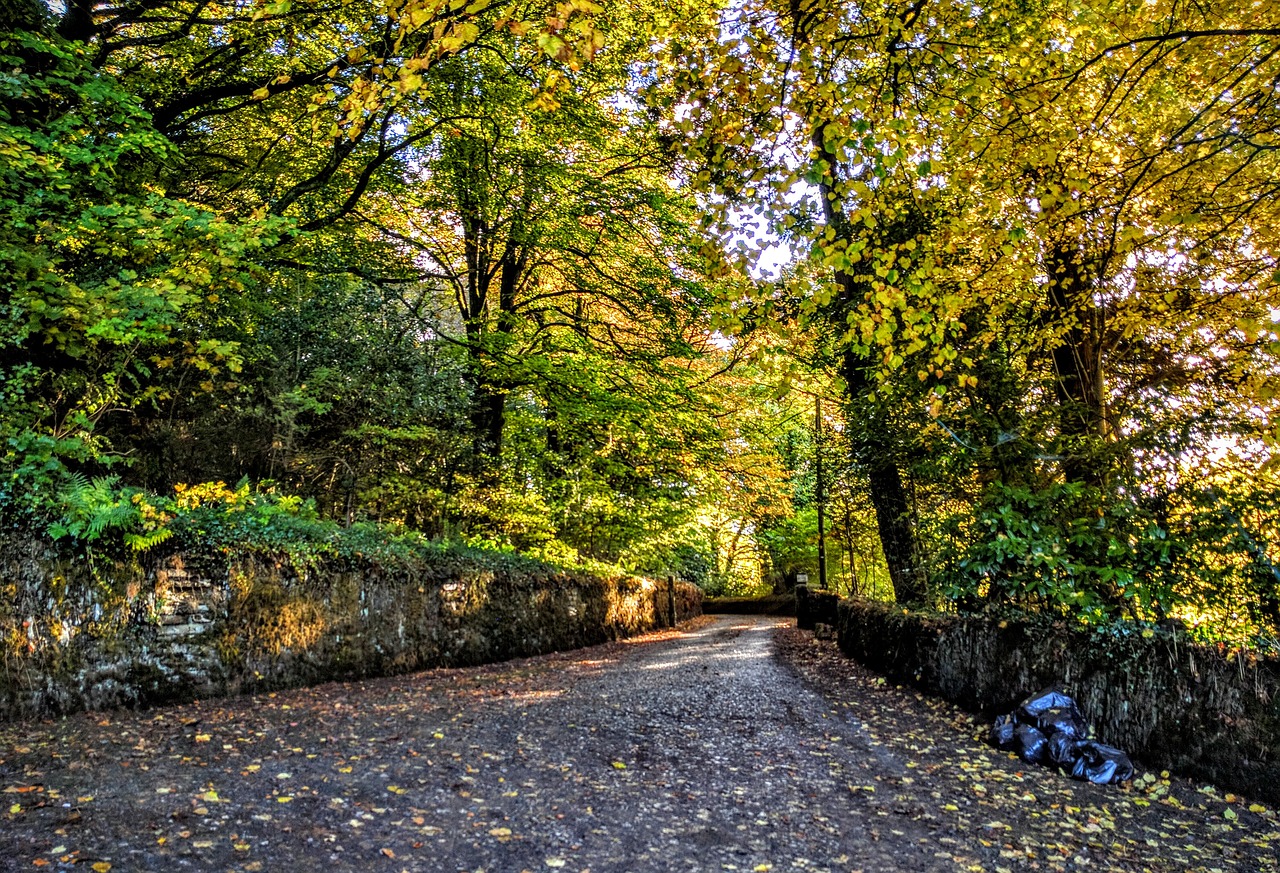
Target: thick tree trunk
x: 897, y: 533
x: 874, y: 451
x: 488, y: 421
x: 1077, y: 364
x: 874, y: 448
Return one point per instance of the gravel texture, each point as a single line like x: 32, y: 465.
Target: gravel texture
x: 679, y: 751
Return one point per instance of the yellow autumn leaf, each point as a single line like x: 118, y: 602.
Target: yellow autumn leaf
x: 101, y: 867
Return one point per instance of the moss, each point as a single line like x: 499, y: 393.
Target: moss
x: 263, y: 620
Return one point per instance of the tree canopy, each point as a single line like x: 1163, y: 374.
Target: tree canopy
x: 568, y: 277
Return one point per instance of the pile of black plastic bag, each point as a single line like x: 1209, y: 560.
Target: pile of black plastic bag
x: 1048, y: 728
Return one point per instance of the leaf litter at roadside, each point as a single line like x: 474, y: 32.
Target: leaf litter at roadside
x: 243, y: 783
x: 1033, y: 817
x: 401, y: 774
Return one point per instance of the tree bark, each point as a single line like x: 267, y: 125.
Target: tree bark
x: 1077, y: 363
x: 874, y: 451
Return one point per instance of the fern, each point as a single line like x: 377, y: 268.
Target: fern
x: 92, y: 508
x: 142, y: 542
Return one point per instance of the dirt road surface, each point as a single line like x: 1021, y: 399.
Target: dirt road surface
x: 735, y: 744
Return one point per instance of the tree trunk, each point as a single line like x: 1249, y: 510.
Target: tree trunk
x: 874, y: 451
x: 1077, y: 364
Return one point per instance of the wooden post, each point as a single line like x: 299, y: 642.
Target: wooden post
x: 671, y: 599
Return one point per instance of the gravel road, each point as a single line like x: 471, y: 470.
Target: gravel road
x: 681, y: 751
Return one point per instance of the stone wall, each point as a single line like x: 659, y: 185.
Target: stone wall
x: 181, y: 625
x: 815, y: 606
x: 1203, y: 712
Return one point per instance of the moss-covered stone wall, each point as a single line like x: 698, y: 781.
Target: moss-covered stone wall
x: 1199, y: 711
x: 181, y: 625
x: 815, y: 606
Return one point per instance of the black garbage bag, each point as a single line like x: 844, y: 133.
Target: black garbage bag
x: 1102, y: 764
x: 1031, y: 745
x: 1037, y: 704
x: 1002, y: 733
x: 1048, y: 728
x: 1064, y: 750
x: 1062, y: 720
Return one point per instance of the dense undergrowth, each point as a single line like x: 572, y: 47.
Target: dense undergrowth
x: 103, y: 518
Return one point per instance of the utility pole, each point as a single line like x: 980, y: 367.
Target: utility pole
x: 820, y: 494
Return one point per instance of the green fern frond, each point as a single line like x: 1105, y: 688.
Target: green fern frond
x: 142, y: 542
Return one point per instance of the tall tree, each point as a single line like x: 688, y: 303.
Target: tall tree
x: 1069, y: 198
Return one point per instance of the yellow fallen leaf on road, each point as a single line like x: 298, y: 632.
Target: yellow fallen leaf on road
x: 618, y: 765
x: 101, y: 867
x: 500, y: 832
